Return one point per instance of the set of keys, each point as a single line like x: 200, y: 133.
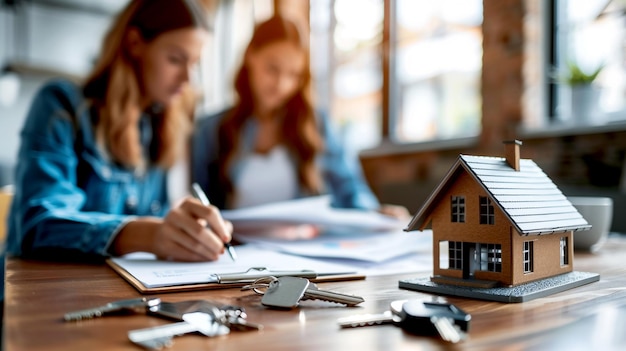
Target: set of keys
x: 195, y: 316
x: 418, y: 317
x: 287, y: 292
x: 211, y: 319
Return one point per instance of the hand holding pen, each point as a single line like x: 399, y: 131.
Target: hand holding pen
x: 190, y: 231
x: 200, y: 195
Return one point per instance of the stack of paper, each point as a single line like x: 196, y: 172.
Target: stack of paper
x: 314, y: 211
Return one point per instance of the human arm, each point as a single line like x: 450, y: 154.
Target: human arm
x: 49, y: 213
x: 342, y: 173
x: 70, y: 203
x: 344, y: 177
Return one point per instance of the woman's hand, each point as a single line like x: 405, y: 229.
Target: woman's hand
x: 189, y: 232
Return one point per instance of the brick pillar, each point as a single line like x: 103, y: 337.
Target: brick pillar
x: 502, y: 82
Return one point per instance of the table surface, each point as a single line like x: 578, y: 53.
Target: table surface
x: 590, y: 317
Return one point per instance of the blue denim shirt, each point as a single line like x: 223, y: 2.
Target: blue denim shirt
x: 69, y: 198
x: 342, y: 174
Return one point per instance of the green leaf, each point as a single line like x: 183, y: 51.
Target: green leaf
x: 576, y: 76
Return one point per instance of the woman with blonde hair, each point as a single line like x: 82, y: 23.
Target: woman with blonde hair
x: 93, y: 160
x: 272, y: 145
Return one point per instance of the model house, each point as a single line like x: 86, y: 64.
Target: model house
x: 498, y: 222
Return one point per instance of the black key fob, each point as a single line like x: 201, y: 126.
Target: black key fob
x: 415, y: 316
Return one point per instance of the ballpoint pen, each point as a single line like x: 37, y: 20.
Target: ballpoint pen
x: 200, y: 195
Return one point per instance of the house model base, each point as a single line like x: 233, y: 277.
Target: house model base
x: 520, y: 293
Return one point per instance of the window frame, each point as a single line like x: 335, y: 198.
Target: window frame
x: 455, y: 255
x: 487, y: 211
x: 528, y: 256
x: 457, y: 209
x: 564, y: 243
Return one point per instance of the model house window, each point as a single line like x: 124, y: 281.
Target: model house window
x: 564, y: 251
x: 489, y: 257
x: 486, y: 211
x: 458, y: 209
x: 494, y: 257
x: 528, y: 256
x: 455, y: 254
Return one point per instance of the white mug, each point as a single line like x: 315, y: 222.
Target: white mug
x: 598, y: 211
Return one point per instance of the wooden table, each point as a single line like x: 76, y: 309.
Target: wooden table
x: 591, y: 317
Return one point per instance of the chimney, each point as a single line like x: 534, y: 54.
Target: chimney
x: 511, y: 153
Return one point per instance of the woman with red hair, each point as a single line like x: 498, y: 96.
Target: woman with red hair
x: 272, y: 145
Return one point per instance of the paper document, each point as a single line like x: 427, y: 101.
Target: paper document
x: 369, y: 247
x: 311, y: 210
x: 156, y: 273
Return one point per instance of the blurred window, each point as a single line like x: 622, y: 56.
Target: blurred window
x: 438, y: 63
x: 234, y: 24
x: 589, y: 34
x: 434, y: 68
x: 346, y: 39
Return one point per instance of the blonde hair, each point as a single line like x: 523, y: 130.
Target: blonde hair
x: 113, y: 87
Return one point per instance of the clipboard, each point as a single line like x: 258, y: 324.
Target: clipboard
x: 233, y: 279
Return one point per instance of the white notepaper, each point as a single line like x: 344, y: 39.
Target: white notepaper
x: 154, y: 273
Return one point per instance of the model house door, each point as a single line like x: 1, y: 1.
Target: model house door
x: 471, y: 261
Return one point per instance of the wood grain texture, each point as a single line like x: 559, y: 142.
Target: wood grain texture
x: 39, y: 293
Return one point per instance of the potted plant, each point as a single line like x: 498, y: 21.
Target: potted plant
x: 576, y: 76
x: 584, y: 95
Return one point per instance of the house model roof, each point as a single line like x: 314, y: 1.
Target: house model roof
x: 528, y: 197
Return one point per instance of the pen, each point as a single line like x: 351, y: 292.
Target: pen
x: 200, y: 195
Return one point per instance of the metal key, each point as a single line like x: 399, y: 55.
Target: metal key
x: 365, y: 320
x: 315, y: 293
x: 156, y: 338
x: 230, y: 315
x: 418, y: 317
x: 139, y: 304
x: 287, y: 292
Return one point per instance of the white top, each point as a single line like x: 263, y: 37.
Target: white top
x: 265, y: 178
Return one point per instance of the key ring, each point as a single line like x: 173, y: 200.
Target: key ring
x: 261, y: 283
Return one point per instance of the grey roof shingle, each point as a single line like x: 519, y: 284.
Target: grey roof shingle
x: 528, y: 197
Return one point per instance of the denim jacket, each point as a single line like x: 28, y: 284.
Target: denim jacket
x: 342, y: 174
x: 70, y: 200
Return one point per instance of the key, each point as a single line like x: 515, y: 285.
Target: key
x: 418, y: 317
x: 364, y: 320
x: 156, y: 338
x: 230, y: 315
x: 314, y: 293
x: 139, y: 304
x: 287, y: 292
x: 206, y: 324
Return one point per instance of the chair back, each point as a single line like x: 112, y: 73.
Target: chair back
x: 6, y: 195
